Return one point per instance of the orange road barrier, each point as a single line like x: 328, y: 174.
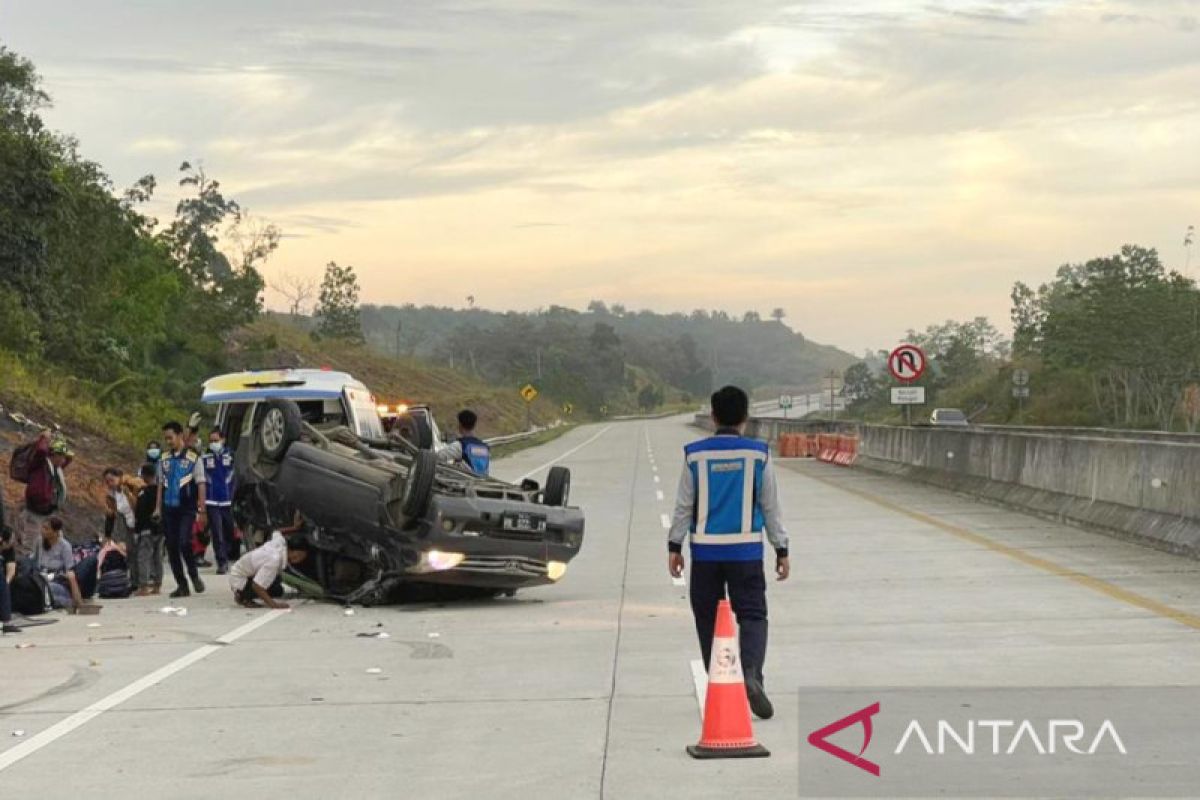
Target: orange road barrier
x: 728, y: 731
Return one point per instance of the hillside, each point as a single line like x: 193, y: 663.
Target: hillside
x: 272, y: 341
x: 579, y: 353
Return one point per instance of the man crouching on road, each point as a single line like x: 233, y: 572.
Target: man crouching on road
x: 253, y: 574
x: 727, y: 497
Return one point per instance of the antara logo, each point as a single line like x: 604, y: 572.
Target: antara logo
x: 820, y: 738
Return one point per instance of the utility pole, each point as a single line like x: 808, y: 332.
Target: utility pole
x: 832, y: 377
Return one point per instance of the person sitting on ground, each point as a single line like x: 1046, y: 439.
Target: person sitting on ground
x: 469, y: 450
x: 7, y: 547
x: 56, y: 558
x: 254, y: 574
x: 148, y: 536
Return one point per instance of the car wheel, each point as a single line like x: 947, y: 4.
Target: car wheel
x: 418, y: 489
x: 558, y: 487
x: 278, y: 427
x: 422, y: 432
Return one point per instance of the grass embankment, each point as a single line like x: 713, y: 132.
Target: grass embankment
x: 272, y: 343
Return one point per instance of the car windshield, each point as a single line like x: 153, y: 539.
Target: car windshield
x: 950, y: 415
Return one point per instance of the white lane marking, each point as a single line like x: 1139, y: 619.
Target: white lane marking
x: 700, y: 681
x: 86, y: 715
x: 657, y: 479
x: 666, y: 521
x: 572, y: 451
x: 658, y: 493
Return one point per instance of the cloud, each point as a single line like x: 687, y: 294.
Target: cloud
x: 880, y: 164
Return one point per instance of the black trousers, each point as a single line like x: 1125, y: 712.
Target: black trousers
x: 177, y: 524
x: 747, y: 590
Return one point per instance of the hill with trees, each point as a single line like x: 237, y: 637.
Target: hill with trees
x: 604, y: 355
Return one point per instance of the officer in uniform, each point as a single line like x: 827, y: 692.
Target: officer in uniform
x: 181, y: 499
x: 474, y: 453
x: 218, y: 468
x: 728, y: 498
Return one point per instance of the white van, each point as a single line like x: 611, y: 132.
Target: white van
x: 324, y: 397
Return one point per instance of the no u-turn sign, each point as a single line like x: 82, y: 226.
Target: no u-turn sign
x: 907, y: 363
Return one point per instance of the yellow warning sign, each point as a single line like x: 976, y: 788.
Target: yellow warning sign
x: 529, y: 393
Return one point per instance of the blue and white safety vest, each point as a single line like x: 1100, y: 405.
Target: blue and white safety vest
x: 218, y: 468
x: 727, y: 475
x: 179, y: 479
x: 476, y: 454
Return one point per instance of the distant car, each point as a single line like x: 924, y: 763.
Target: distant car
x: 948, y: 418
x: 380, y: 510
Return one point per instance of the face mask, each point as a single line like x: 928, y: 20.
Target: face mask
x: 153, y: 454
x: 216, y: 447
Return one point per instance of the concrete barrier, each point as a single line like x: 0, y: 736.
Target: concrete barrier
x: 1135, y: 488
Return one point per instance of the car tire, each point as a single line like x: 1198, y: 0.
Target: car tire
x: 278, y: 426
x: 423, y: 432
x: 558, y: 487
x: 418, y: 489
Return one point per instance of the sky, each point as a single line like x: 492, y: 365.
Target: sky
x: 869, y: 166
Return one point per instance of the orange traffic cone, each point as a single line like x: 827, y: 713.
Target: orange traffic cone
x: 728, y: 732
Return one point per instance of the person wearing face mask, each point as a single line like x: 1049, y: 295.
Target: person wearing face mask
x: 153, y: 452
x: 218, y: 466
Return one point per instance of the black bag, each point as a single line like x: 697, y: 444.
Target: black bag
x: 114, y: 584
x: 22, y: 461
x: 30, y: 591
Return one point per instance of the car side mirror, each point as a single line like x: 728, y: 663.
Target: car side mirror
x: 529, y: 485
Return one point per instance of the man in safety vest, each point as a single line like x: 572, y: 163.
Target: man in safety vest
x: 728, y: 498
x: 471, y: 451
x: 218, y: 468
x: 181, y: 500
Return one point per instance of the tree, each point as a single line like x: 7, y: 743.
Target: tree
x: 859, y: 382
x: 297, y: 290
x: 778, y: 314
x: 751, y: 317
x: 337, y: 308
x: 597, y: 307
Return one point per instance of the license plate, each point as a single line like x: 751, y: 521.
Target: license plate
x: 530, y: 523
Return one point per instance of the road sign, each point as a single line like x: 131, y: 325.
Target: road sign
x: 785, y: 401
x: 908, y: 395
x: 568, y: 408
x: 1020, y: 391
x: 529, y: 393
x: 1020, y: 377
x: 907, y: 363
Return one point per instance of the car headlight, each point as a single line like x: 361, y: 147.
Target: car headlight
x: 555, y: 570
x: 436, y: 560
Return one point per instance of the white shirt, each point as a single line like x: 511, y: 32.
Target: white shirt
x: 263, y: 564
x: 123, y: 508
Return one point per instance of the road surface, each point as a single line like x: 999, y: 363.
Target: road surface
x: 585, y: 689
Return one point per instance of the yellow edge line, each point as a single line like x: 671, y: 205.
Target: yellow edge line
x: 1095, y: 584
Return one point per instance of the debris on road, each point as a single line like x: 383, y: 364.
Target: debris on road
x: 18, y: 734
x: 376, y: 635
x: 179, y: 612
x: 349, y: 612
x: 93, y: 624
x: 374, y: 671
x: 25, y: 645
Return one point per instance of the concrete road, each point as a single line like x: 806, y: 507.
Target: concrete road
x: 585, y: 689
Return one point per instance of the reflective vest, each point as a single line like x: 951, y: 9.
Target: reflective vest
x: 218, y: 469
x: 476, y: 454
x: 179, y: 479
x: 728, y: 522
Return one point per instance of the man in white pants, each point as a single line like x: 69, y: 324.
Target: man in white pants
x: 252, y: 575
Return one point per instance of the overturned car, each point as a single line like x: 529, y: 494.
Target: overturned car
x: 380, y: 511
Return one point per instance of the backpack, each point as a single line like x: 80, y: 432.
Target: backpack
x: 114, y: 584
x: 20, y: 466
x: 30, y: 591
